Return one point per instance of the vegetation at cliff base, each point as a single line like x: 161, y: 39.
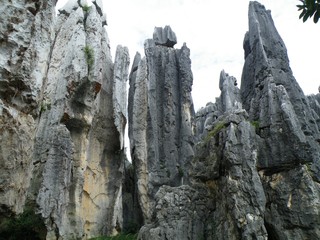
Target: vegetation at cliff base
x: 129, y: 236
x: 309, y: 8
x: 26, y: 226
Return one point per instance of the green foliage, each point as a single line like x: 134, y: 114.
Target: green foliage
x: 26, y: 226
x: 86, y: 8
x: 309, y: 8
x: 310, y: 171
x: 45, y: 105
x: 129, y: 236
x: 217, y: 128
x: 255, y: 124
x: 89, y: 53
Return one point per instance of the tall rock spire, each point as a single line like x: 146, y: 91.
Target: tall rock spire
x: 161, y: 113
x: 272, y: 96
x: 255, y: 168
x: 79, y: 152
x: 26, y: 36
x: 287, y: 131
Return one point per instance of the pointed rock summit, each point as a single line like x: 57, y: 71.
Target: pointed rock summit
x: 257, y: 155
x: 272, y: 96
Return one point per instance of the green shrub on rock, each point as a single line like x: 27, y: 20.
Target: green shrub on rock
x: 89, y: 54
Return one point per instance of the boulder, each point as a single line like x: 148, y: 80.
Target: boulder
x: 164, y: 36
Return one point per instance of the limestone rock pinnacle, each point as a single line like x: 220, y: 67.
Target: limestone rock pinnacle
x: 160, y: 117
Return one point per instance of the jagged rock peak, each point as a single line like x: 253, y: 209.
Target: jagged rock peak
x: 230, y: 93
x: 265, y: 49
x: 73, y: 5
x: 164, y: 36
x: 268, y: 88
x: 69, y: 7
x: 99, y: 6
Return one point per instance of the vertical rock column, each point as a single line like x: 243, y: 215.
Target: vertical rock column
x: 288, y: 132
x: 26, y: 34
x: 272, y: 97
x: 78, y: 158
x: 160, y: 117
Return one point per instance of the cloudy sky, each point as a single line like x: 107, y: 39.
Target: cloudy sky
x: 214, y: 31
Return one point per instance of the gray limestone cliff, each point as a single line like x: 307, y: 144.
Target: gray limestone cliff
x: 64, y: 102
x: 160, y: 117
x: 26, y: 35
x: 78, y: 187
x: 256, y: 162
x: 288, y: 132
x: 244, y: 167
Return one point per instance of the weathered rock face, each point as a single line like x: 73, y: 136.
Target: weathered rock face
x: 164, y: 36
x: 257, y: 166
x: 228, y: 199
x: 288, y: 131
x: 181, y: 213
x: 225, y: 164
x: 272, y: 97
x: 160, y: 119
x: 228, y: 101
x: 63, y: 114
x: 78, y: 158
x: 26, y: 34
x: 244, y: 167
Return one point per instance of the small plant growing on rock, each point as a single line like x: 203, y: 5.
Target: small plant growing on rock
x: 217, y: 128
x: 45, y: 105
x: 89, y: 54
x: 86, y: 8
x: 255, y: 124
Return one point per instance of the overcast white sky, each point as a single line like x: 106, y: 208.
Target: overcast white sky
x: 214, y: 32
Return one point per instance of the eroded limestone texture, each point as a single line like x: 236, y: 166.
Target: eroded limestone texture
x: 79, y: 152
x: 26, y: 35
x: 244, y: 167
x: 256, y: 163
x: 288, y: 130
x: 160, y: 119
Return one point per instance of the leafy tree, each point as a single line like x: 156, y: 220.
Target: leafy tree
x: 309, y: 8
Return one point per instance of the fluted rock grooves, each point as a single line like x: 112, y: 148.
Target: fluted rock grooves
x: 161, y: 114
x: 244, y: 167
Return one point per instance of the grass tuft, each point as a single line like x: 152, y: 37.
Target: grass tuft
x: 217, y: 128
x: 89, y: 54
x: 86, y: 8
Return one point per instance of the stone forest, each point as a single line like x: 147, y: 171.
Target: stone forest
x: 244, y: 167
